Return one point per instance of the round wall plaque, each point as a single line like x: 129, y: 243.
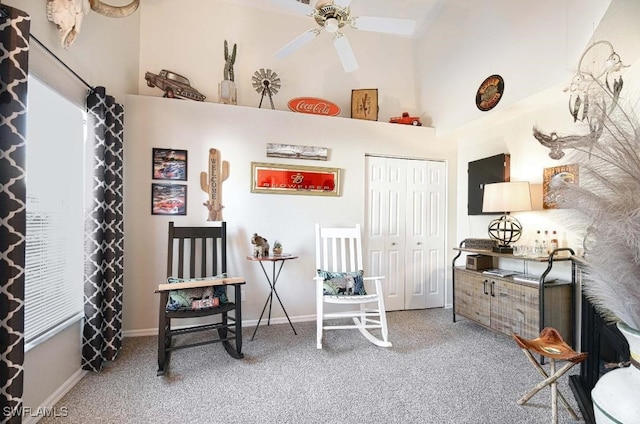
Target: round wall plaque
x: 489, y: 93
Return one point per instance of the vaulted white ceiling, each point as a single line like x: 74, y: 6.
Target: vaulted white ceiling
x: 533, y: 45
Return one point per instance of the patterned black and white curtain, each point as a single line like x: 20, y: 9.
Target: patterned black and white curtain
x: 104, y: 244
x: 14, y: 52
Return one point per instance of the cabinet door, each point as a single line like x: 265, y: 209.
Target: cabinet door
x: 472, y: 298
x: 514, y: 308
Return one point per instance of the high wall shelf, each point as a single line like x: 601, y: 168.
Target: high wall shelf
x: 509, y: 306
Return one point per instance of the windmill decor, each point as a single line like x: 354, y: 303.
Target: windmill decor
x: 266, y: 82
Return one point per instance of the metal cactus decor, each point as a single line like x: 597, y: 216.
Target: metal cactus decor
x: 229, y: 61
x: 211, y: 183
x: 227, y: 88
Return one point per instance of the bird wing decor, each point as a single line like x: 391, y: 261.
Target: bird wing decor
x: 556, y: 143
x: 334, y: 16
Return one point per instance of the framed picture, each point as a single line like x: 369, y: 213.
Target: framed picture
x: 293, y: 151
x: 553, y: 177
x: 168, y: 199
x: 364, y: 104
x: 169, y: 164
x: 292, y: 179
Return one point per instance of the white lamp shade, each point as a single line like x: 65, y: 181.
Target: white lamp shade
x: 511, y: 196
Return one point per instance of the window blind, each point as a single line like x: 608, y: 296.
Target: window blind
x: 55, y: 225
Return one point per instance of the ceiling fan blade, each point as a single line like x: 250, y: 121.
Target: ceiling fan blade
x: 342, y: 3
x: 297, y: 42
x: 294, y: 6
x: 386, y: 25
x: 345, y: 52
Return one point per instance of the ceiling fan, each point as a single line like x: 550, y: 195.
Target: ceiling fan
x: 331, y: 16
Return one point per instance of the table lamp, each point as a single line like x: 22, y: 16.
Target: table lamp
x: 505, y: 198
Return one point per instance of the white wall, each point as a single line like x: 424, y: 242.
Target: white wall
x: 105, y: 53
x: 532, y: 45
x: 241, y: 134
x: 196, y: 50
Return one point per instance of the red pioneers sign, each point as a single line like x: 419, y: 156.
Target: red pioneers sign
x: 314, y: 106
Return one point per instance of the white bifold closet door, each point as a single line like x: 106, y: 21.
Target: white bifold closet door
x: 405, y: 230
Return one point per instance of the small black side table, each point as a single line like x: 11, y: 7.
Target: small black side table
x: 272, y: 284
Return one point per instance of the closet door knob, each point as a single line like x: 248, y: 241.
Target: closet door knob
x: 393, y: 244
x: 419, y: 243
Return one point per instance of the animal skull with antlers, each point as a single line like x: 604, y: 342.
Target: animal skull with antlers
x: 68, y: 15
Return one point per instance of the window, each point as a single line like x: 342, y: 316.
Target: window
x: 55, y: 218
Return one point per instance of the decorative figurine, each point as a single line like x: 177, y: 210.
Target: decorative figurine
x: 174, y: 85
x: 227, y: 88
x: 277, y: 248
x: 406, y: 119
x: 212, y: 184
x: 260, y: 246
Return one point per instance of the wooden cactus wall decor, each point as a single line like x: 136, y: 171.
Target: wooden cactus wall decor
x: 211, y: 183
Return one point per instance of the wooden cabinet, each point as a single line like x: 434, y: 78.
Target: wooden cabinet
x: 508, y: 306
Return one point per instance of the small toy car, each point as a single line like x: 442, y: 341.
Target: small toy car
x: 173, y: 85
x: 406, y: 119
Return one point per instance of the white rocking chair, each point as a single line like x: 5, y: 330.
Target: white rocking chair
x: 338, y: 251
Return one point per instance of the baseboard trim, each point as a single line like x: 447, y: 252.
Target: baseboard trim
x: 245, y: 323
x: 46, y: 409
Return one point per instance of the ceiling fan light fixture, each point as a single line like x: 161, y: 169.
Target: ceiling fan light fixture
x: 332, y: 25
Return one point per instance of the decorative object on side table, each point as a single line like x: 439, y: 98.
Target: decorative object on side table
x: 605, y: 205
x: 266, y: 82
x: 277, y: 248
x: 227, y: 92
x: 260, y: 246
x: 505, y: 198
x: 364, y: 104
x: 174, y: 85
x: 211, y: 183
x: 406, y: 119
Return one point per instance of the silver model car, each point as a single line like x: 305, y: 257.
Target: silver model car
x: 173, y: 85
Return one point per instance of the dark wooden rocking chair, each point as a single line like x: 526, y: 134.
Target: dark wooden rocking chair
x: 197, y: 263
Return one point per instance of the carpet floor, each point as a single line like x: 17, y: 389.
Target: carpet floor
x: 436, y: 372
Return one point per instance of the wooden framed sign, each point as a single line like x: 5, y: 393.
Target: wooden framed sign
x: 364, y: 104
x: 294, y: 179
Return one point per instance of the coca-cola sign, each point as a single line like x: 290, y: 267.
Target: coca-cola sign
x: 314, y: 106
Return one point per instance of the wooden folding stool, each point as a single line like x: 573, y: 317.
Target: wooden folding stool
x: 550, y: 345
